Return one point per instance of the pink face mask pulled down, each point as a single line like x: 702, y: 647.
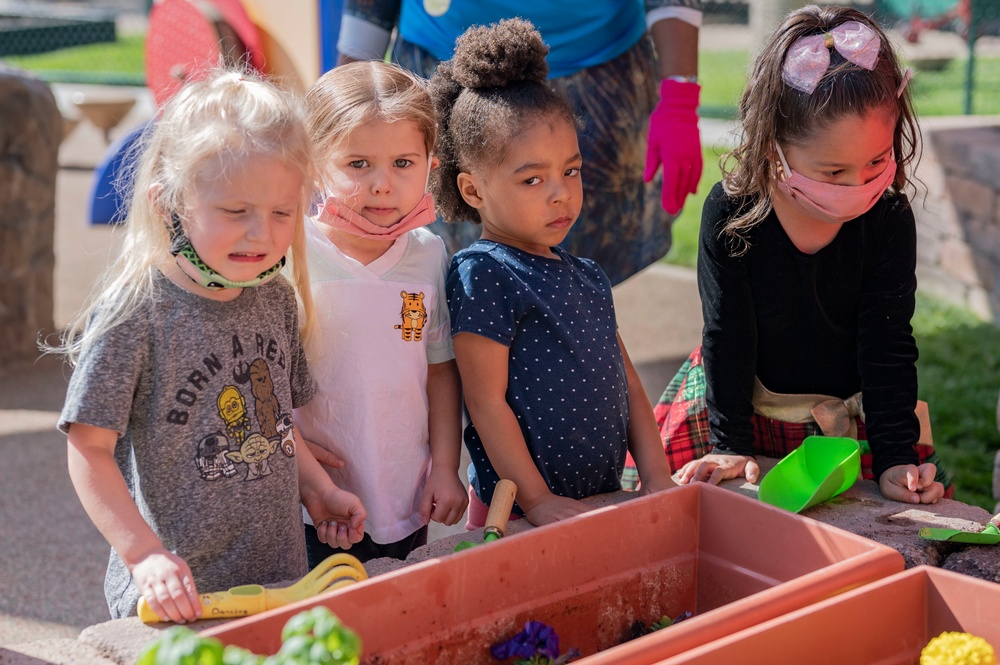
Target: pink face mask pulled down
x: 336, y: 214
x: 834, y: 204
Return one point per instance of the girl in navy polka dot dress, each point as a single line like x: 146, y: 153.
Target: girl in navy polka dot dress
x: 553, y: 401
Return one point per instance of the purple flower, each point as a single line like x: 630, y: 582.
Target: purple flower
x: 537, y: 639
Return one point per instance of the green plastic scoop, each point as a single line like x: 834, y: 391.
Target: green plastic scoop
x: 818, y: 470
x: 988, y: 536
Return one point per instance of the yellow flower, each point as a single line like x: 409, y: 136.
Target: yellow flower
x: 958, y: 649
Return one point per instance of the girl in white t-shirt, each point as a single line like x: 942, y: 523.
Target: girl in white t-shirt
x: 389, y: 400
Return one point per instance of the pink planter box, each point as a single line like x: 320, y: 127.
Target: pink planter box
x: 887, y: 622
x: 732, y: 560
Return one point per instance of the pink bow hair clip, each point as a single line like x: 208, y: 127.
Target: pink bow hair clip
x: 809, y: 57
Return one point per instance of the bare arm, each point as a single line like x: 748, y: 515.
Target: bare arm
x: 444, y: 397
x: 338, y: 515
x: 444, y: 497
x: 676, y: 43
x: 643, y: 435
x: 483, y: 366
x: 163, y: 579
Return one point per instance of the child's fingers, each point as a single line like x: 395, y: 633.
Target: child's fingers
x: 427, y: 509
x: 170, y: 601
x: 323, y: 532
x: 895, y: 488
x: 358, y: 516
x: 927, y: 474
x: 324, y: 456
x: 155, y: 606
x: 717, y: 476
x: 192, y: 595
x: 347, y: 535
x: 932, y: 493
x: 687, y: 472
x: 454, y: 514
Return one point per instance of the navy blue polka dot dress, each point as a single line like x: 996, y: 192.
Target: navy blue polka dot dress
x: 566, y: 375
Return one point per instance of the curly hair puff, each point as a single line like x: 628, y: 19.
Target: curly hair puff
x: 489, y: 92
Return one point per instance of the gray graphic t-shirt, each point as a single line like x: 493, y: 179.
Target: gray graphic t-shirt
x: 201, y: 395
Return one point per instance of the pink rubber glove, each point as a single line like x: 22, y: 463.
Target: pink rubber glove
x: 675, y: 143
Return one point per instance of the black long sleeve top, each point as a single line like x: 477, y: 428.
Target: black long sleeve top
x: 833, y: 323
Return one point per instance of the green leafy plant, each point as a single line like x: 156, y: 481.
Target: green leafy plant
x: 639, y: 629
x: 666, y: 622
x: 312, y: 637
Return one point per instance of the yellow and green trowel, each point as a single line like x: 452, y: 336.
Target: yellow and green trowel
x: 988, y: 536
x: 332, y: 573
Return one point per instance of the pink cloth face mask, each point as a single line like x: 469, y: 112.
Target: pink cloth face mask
x: 834, y: 204
x: 337, y: 214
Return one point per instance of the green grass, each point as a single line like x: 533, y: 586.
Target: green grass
x: 959, y: 372
x: 943, y: 92
x: 121, y: 62
x: 684, y: 248
x: 723, y: 75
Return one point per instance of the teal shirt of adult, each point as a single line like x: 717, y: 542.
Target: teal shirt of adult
x: 579, y: 34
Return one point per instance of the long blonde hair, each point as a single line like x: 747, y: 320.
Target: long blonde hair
x: 347, y: 97
x: 230, y: 115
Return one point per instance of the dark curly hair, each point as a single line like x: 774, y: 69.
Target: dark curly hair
x: 489, y: 92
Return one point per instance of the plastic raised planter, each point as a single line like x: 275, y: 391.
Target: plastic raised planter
x: 887, y: 622
x: 732, y: 560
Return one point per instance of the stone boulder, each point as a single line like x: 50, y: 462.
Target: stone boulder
x: 31, y: 128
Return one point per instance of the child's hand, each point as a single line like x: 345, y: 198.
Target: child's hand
x: 324, y: 456
x: 655, y: 485
x: 444, y: 499
x: 339, y: 517
x: 911, y: 484
x: 716, y: 468
x: 165, y: 581
x: 554, y: 508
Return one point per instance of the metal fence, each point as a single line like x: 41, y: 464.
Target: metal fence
x: 977, y: 22
x: 97, y: 41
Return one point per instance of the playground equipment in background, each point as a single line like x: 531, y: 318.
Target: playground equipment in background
x: 293, y: 41
x: 924, y: 15
x: 104, y: 111
x: 186, y: 38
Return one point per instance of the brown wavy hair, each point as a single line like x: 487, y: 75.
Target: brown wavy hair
x: 772, y: 112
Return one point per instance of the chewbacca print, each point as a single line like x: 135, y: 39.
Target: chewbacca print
x: 265, y: 403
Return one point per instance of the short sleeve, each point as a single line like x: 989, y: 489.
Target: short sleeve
x: 438, y: 335
x: 300, y: 379
x: 104, y: 383
x: 483, y: 298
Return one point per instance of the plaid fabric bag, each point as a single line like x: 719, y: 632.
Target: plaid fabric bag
x: 682, y: 416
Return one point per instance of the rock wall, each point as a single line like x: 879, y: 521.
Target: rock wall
x: 957, y: 209
x: 30, y: 133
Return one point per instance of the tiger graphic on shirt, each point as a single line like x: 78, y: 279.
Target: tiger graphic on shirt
x: 414, y: 315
